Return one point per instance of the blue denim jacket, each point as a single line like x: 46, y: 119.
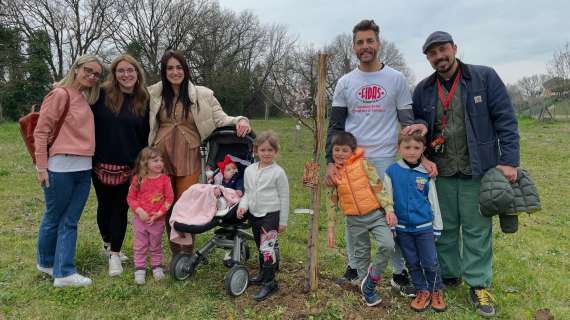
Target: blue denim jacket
x: 490, y: 121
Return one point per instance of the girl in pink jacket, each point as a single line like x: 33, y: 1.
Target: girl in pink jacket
x: 150, y: 196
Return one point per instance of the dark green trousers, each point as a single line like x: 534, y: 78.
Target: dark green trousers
x: 465, y: 248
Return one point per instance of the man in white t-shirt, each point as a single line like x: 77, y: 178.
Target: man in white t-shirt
x: 372, y: 102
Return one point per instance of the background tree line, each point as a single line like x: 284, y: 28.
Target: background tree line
x: 255, y: 69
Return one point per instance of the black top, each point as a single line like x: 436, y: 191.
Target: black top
x: 118, y: 137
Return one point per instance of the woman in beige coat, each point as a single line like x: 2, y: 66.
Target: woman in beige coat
x: 182, y: 115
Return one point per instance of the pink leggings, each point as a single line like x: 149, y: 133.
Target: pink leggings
x: 148, y: 240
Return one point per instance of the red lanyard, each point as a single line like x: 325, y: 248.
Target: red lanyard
x: 446, y: 101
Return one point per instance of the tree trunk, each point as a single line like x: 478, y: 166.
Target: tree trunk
x: 311, y: 282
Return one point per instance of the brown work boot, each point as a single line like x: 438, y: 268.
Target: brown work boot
x: 421, y: 302
x: 437, y: 302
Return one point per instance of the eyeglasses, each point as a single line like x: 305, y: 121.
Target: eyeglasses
x: 92, y: 73
x: 125, y: 71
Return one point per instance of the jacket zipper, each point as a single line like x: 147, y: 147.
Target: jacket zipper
x: 352, y: 193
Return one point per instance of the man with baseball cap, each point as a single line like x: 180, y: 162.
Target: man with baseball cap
x: 471, y: 128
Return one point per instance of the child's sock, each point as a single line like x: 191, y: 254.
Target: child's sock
x: 374, y: 275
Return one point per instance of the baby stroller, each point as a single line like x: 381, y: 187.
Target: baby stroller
x: 231, y: 233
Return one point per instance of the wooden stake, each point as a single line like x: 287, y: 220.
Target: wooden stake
x: 312, y: 281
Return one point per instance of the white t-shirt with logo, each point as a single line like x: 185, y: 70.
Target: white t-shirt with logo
x: 372, y: 99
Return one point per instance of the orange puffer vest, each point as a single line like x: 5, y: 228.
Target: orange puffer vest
x: 356, y: 197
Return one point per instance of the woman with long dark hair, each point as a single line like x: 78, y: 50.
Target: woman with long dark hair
x: 182, y: 115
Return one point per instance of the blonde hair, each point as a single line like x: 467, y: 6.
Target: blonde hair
x: 92, y: 94
x: 141, y: 164
x: 268, y: 136
x: 114, y: 96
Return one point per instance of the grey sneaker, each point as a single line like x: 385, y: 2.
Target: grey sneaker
x: 48, y: 271
x: 74, y: 280
x: 158, y: 273
x: 139, y: 276
x: 115, y: 267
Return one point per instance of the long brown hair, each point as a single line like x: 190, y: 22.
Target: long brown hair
x: 141, y: 164
x: 114, y: 96
x: 168, y: 92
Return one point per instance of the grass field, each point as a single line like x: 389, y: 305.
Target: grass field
x: 531, y: 267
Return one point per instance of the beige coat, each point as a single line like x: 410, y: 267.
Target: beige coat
x: 209, y: 117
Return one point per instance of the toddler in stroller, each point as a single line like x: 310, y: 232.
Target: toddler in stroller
x: 232, y: 154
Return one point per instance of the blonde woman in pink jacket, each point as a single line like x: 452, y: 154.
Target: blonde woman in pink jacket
x: 64, y: 168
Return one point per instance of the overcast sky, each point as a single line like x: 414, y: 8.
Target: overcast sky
x: 517, y: 38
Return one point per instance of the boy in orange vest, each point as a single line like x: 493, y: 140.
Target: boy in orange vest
x: 368, y: 209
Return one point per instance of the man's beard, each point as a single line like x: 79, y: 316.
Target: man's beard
x: 449, y: 67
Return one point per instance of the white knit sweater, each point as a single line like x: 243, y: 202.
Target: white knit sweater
x: 266, y: 190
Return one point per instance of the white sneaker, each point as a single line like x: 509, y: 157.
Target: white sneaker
x: 139, y: 276
x: 48, y: 271
x: 74, y: 280
x: 106, y: 252
x: 123, y: 257
x: 158, y: 273
x: 115, y: 267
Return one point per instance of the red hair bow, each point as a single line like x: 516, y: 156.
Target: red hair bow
x: 222, y: 164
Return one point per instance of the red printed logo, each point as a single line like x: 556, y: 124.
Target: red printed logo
x: 371, y: 93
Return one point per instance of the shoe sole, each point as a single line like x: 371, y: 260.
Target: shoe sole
x: 75, y: 285
x: 420, y: 310
x: 438, y: 309
x: 372, y: 304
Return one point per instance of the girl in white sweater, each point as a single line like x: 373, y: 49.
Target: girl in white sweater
x: 266, y: 198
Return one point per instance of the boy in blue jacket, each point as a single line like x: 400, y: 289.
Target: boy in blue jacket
x: 419, y: 221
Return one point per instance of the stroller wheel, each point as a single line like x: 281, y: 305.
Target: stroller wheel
x: 236, y: 280
x: 183, y: 266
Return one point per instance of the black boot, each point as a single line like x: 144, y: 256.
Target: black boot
x: 269, y: 283
x: 258, y: 279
